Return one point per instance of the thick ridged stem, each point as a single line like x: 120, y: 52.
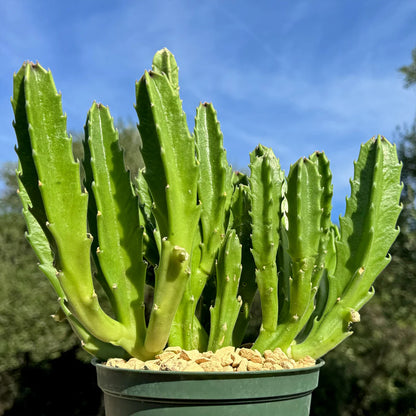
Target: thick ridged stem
x: 214, y: 184
x: 227, y: 305
x: 214, y: 194
x: 171, y: 277
x: 323, y: 286
x: 322, y: 162
x: 266, y: 181
x: 240, y: 221
x: 39, y: 242
x: 171, y: 173
x: 116, y: 221
x: 151, y: 235
x: 185, y: 210
x: 168, y: 150
x: 64, y: 205
x: 367, y: 231
x: 27, y: 173
x: 187, y: 330
x: 304, y: 199
x: 323, y: 259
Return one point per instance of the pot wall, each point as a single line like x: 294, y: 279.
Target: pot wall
x: 142, y: 392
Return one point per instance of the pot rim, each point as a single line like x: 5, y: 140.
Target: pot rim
x: 234, y: 374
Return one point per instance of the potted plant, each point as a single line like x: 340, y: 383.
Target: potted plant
x: 207, y: 239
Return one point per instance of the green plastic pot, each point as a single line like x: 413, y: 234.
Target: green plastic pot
x: 140, y: 392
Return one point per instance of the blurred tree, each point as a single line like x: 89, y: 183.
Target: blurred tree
x: 26, y: 298
x: 129, y: 141
x: 409, y: 71
x: 27, y: 332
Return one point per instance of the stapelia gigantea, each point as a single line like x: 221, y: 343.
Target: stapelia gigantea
x: 213, y: 237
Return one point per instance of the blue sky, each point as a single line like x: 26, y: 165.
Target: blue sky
x: 297, y: 76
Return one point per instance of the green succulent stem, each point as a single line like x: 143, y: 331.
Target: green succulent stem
x: 186, y: 328
x: 214, y: 195
x: 304, y: 213
x: 367, y: 231
x: 240, y: 220
x: 266, y: 182
x: 116, y: 219
x: 171, y: 169
x: 227, y: 305
x: 206, y: 238
x: 171, y: 278
x: 171, y: 172
x: 63, y: 202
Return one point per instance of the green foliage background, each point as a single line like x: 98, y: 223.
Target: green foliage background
x: 371, y: 373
